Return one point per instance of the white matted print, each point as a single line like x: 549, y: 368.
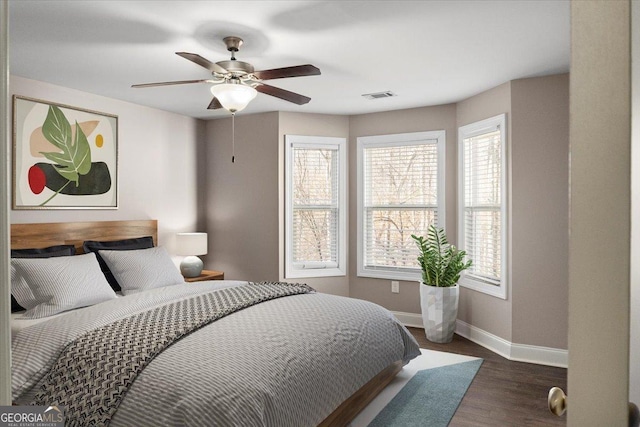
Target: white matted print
x: 63, y: 157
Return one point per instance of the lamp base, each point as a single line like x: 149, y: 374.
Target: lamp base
x: 191, y: 266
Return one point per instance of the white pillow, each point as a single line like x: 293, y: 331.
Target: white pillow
x: 20, y: 289
x: 62, y: 283
x: 142, y: 269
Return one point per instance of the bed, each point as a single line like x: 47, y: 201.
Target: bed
x: 231, y: 353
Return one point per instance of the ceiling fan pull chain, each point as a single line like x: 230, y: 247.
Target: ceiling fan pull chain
x: 233, y: 137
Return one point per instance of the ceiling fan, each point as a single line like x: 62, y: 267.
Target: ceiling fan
x: 236, y: 83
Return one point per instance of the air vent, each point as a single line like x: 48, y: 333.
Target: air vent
x: 378, y: 95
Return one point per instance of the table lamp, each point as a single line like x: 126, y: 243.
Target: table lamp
x: 191, y: 245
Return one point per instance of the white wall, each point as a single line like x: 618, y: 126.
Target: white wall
x: 157, y: 165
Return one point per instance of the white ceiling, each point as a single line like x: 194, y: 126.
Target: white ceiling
x: 427, y: 52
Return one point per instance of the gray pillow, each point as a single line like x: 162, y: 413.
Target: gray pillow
x: 63, y: 283
x: 142, y: 269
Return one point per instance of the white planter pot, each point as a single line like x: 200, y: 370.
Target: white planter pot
x: 439, y: 311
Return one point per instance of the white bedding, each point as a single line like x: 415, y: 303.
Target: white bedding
x: 18, y: 323
x: 285, y: 362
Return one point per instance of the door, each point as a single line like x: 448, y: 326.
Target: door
x: 634, y: 332
x: 599, y: 244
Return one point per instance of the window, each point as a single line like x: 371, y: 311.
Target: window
x: 482, y: 216
x: 315, y: 240
x: 400, y: 193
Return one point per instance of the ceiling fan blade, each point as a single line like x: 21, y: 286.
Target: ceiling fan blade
x: 180, y: 82
x: 203, y: 62
x: 214, y: 104
x: 280, y: 73
x: 296, y: 98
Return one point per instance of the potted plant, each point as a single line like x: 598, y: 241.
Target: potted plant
x: 441, y: 264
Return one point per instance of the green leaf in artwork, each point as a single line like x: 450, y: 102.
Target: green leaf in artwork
x: 56, y: 128
x: 74, y: 159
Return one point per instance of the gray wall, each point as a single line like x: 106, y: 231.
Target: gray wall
x: 178, y: 170
x: 442, y: 117
x: 315, y: 125
x: 242, y: 198
x: 245, y: 202
x: 540, y: 210
x: 245, y: 199
x: 483, y: 311
x: 535, y: 311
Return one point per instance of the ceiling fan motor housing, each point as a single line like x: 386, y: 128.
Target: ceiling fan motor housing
x: 238, y: 67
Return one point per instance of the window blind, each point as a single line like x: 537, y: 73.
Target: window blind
x: 400, y: 184
x: 482, y: 205
x: 315, y: 207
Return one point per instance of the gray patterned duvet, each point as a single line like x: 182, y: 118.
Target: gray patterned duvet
x: 285, y: 362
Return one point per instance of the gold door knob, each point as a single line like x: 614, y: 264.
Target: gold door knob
x: 557, y: 401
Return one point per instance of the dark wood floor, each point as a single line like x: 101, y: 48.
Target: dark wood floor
x: 503, y: 393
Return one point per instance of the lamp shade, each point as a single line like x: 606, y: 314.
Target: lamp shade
x: 191, y: 243
x: 234, y: 97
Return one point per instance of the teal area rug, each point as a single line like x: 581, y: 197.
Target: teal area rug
x: 430, y: 398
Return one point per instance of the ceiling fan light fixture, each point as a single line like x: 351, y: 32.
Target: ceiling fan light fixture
x: 234, y: 97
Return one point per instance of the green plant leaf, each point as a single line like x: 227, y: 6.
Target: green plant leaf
x: 74, y: 159
x: 441, y: 262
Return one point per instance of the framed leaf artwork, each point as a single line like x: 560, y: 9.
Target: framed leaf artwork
x: 63, y: 157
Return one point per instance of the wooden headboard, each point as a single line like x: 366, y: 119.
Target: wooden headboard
x: 41, y: 235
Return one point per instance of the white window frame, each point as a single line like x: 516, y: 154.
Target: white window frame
x: 414, y: 138
x: 316, y: 269
x: 467, y: 280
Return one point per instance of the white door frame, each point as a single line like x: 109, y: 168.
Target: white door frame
x: 5, y: 279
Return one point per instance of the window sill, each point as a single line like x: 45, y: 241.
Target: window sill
x: 493, y: 290
x: 314, y: 272
x: 406, y: 276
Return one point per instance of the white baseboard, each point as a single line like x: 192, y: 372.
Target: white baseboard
x: 413, y: 320
x: 517, y: 352
x: 484, y: 338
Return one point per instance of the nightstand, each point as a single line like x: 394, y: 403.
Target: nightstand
x: 206, y: 275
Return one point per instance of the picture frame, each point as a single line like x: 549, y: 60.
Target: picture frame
x: 64, y: 157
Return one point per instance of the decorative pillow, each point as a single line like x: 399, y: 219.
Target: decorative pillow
x: 142, y: 269
x: 51, y: 251
x: 19, y: 286
x: 63, y: 283
x: 115, y: 245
